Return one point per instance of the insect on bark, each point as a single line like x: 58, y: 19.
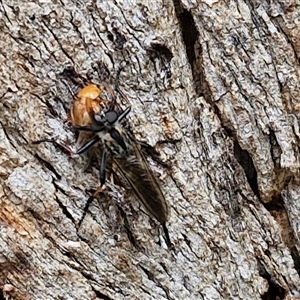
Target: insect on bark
x: 102, y: 117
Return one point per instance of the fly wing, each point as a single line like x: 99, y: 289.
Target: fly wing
x: 134, y: 168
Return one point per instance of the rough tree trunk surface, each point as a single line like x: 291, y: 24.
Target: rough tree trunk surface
x: 221, y: 76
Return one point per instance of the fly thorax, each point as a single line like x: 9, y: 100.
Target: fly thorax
x: 116, y: 141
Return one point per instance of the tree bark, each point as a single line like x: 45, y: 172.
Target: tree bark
x: 220, y: 76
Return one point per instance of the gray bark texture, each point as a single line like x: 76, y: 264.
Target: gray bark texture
x: 222, y: 77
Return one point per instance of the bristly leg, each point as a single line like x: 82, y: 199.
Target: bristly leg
x: 82, y: 149
x: 88, y: 203
x: 117, y: 85
x: 103, y: 167
x: 69, y: 73
x: 67, y: 149
x: 102, y: 71
x: 99, y: 189
x: 167, y: 236
x: 52, y: 140
x: 88, y: 145
x: 153, y: 153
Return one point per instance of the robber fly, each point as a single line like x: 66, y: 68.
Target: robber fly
x: 91, y: 113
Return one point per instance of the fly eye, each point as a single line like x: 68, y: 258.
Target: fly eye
x: 111, y: 116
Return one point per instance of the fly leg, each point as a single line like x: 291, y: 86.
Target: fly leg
x: 150, y: 150
x: 82, y: 149
x: 103, y: 167
x: 71, y: 77
x: 117, y: 85
x: 99, y: 189
x: 88, y: 144
x: 52, y: 140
